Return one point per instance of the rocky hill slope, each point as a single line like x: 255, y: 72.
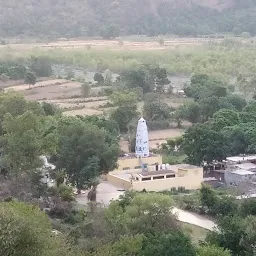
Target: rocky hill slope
x: 109, y: 18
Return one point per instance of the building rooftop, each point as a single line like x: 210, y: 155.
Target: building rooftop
x: 210, y: 179
x: 246, y: 166
x: 243, y: 172
x: 186, y: 166
x: 237, y: 159
x: 157, y: 173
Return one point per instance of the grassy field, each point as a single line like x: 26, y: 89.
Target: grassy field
x: 227, y: 58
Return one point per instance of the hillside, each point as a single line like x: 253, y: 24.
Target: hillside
x: 109, y: 18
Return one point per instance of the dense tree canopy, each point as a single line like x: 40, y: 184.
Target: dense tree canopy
x: 84, y: 151
x: 29, y: 134
x: 25, y: 230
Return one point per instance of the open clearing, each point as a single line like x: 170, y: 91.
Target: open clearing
x: 61, y: 90
x: 65, y: 94
x: 163, y: 134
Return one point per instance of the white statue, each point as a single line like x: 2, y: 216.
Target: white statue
x: 142, y: 143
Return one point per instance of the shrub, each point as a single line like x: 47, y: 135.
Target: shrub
x: 66, y: 193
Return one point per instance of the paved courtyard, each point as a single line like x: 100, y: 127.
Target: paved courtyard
x: 105, y: 193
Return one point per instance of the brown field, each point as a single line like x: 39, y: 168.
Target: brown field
x: 83, y: 112
x: 64, y: 93
x: 164, y: 134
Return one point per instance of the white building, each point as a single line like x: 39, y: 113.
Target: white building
x: 142, y: 142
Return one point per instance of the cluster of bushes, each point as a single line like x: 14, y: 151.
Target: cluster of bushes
x: 221, y: 120
x: 39, y: 66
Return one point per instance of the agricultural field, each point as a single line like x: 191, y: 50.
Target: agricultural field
x: 181, y: 57
x: 67, y: 96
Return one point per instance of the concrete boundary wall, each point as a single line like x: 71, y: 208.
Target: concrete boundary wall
x: 119, y: 182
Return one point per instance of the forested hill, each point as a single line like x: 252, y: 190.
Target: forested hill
x: 109, y: 18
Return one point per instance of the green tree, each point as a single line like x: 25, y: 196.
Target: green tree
x: 191, y: 112
x: 248, y: 207
x: 124, y: 98
x: 26, y: 137
x: 251, y: 107
x: 236, y: 140
x: 103, y: 123
x: 170, y: 243
x: 143, y: 78
x: 249, y: 238
x: 225, y: 206
x: 235, y: 234
x: 203, y: 86
x: 209, y: 106
x: 143, y: 213
x: 127, y: 245
x: 15, y: 104
x: 84, y: 152
x: 237, y: 101
x: 201, y: 142
x: 156, y: 111
x: 41, y: 66
x: 123, y: 115
x: 208, y: 197
x: 99, y: 78
x: 124, y: 246
x: 30, y: 79
x: 161, y: 76
x: 25, y: 230
x: 212, y: 250
x: 224, y: 118
x: 49, y: 108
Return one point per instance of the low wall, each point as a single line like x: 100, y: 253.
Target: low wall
x: 188, y: 182
x: 119, y: 182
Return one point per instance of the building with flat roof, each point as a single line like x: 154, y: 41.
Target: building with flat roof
x: 144, y: 170
x: 233, y: 170
x: 241, y: 159
x: 171, y: 176
x: 238, y: 176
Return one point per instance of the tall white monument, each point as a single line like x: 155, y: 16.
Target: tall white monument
x: 142, y: 143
